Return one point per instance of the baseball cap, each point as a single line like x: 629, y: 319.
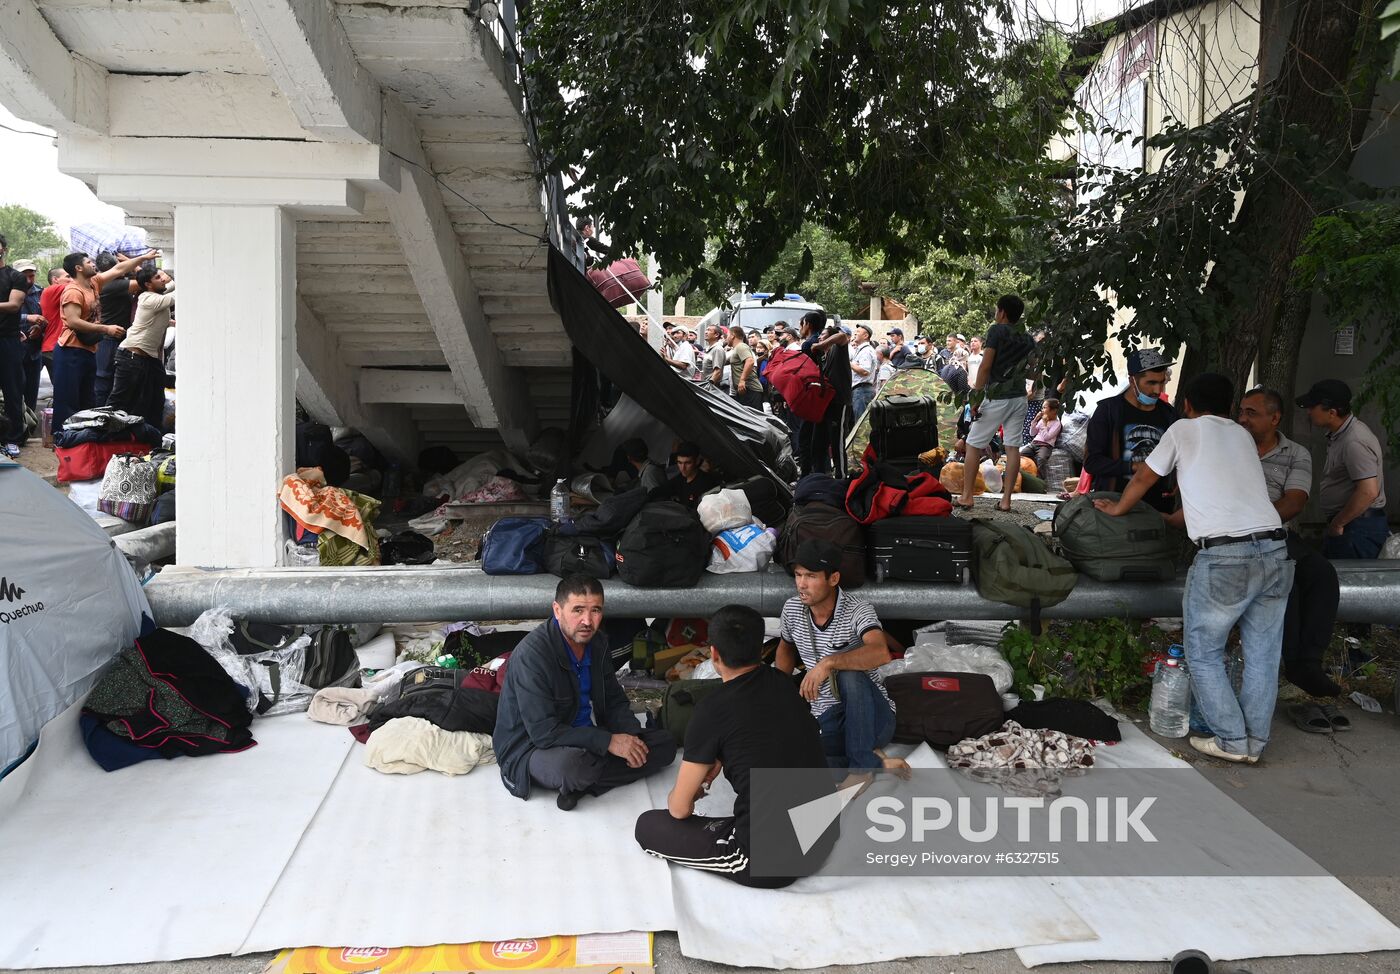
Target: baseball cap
x: 845, y: 328
x: 1326, y: 392
x: 1142, y: 360
x: 818, y: 555
x: 960, y: 337
x: 25, y: 265
x: 896, y: 331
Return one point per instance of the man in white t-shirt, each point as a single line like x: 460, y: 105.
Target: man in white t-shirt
x: 680, y: 355
x: 1241, y: 573
x: 974, y: 358
x: 863, y: 369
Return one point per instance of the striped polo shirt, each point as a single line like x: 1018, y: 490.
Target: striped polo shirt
x: 852, y: 618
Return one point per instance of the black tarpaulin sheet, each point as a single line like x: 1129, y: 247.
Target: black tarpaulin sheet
x: 742, y: 442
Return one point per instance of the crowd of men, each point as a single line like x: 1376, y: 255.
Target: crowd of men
x: 98, y: 328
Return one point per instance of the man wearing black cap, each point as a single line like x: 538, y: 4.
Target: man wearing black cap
x: 899, y: 352
x: 1351, y: 494
x: 1125, y: 429
x: 838, y: 638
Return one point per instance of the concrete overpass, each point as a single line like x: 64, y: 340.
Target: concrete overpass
x: 350, y: 195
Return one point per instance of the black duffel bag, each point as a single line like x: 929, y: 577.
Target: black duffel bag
x: 665, y: 546
x: 944, y: 708
x: 579, y: 554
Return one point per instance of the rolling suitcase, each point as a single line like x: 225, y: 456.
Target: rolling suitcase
x: 902, y: 427
x: 920, y: 549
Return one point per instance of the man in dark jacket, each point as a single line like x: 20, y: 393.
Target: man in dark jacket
x: 1124, y: 429
x: 564, y: 722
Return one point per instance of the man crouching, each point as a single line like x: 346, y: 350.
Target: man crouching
x: 564, y: 722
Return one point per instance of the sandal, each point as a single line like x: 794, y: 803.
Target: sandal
x: 1337, y: 720
x: 1006, y: 509
x: 1310, y: 717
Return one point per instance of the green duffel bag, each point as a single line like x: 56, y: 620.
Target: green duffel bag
x: 1136, y: 547
x: 679, y: 701
x: 1012, y: 565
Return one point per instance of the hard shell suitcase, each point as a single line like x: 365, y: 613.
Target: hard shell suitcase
x: 902, y: 427
x: 920, y: 549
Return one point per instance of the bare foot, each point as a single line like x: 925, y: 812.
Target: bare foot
x: 897, y: 765
x: 860, y: 781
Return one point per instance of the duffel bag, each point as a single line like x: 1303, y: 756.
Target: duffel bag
x: 679, y: 701
x: 943, y: 708
x: 88, y: 461
x: 1012, y: 565
x: 514, y: 546
x: 1136, y: 547
x: 621, y: 282
x: 769, y: 505
x: 128, y: 488
x: 665, y: 546
x: 579, y: 554
x: 799, y: 380
x: 817, y: 520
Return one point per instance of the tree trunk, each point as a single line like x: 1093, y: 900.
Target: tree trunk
x: 1278, y: 368
x: 1310, y: 92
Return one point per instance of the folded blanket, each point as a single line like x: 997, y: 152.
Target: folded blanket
x: 407, y: 745
x: 342, y: 706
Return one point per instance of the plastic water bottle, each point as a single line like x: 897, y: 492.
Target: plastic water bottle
x: 1170, y: 711
x: 560, y: 502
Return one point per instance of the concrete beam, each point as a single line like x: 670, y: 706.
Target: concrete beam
x: 205, y: 104
x: 385, y: 385
x: 326, y: 387
x: 41, y: 81
x: 310, y: 58
x: 302, y: 195
x: 494, y: 398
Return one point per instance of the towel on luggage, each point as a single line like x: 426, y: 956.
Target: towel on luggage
x: 407, y: 745
x: 318, y: 507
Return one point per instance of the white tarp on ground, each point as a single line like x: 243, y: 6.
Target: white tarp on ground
x: 68, y: 603
x: 295, y: 842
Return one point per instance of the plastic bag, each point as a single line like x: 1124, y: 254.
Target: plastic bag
x: 743, y: 549
x: 933, y: 658
x: 724, y: 509
x: 1391, y: 548
x: 279, y: 684
x: 705, y: 671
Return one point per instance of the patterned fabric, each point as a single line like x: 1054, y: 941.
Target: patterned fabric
x: 169, y: 695
x: 1024, y: 761
x: 319, y: 508
x: 128, y: 488
x: 337, y: 550
x: 497, y: 490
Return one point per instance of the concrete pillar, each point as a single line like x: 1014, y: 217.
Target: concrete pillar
x: 877, y: 308
x: 236, y: 396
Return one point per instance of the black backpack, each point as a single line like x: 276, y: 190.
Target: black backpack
x: 822, y: 488
x: 944, y: 708
x: 665, y: 546
x: 817, y: 520
x: 610, y: 518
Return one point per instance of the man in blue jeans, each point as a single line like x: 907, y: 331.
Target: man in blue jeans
x: 1351, y: 494
x: 1241, y: 573
x: 838, y: 638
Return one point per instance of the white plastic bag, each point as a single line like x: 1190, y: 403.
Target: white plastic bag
x: 932, y: 658
x: 748, y: 548
x: 281, y: 685
x: 1391, y: 548
x: 991, y: 476
x: 724, y: 509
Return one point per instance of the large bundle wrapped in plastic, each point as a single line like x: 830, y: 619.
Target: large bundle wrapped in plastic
x: 724, y: 509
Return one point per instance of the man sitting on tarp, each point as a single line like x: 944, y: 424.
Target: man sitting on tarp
x: 564, y: 722
x: 838, y: 638
x: 692, y: 483
x: 755, y: 720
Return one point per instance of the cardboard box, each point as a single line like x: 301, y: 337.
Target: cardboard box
x: 618, y: 953
x: 667, y: 658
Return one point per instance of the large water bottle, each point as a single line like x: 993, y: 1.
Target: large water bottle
x: 1169, y: 714
x: 560, y: 502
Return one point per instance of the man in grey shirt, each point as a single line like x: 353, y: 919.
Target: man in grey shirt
x: 1312, y: 603
x: 1352, y: 492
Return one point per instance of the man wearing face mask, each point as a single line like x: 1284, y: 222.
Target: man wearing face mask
x: 1124, y: 429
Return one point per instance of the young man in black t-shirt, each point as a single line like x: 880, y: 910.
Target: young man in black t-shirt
x: 1125, y: 429
x: 756, y: 719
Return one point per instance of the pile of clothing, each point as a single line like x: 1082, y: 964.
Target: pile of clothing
x: 328, y: 525
x: 88, y: 442
x: 1041, y: 742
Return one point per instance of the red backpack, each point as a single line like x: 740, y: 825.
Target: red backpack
x: 882, y: 491
x: 799, y: 380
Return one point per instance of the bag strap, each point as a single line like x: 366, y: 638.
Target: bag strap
x: 274, y: 678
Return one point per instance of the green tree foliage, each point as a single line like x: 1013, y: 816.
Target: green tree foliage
x: 957, y: 295
x: 29, y: 234
x: 896, y: 127
x: 1353, y: 259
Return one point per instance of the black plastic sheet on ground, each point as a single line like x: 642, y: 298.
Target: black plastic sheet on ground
x: 742, y: 442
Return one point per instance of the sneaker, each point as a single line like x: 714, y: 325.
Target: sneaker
x: 566, y: 800
x: 1210, y: 746
x: 12, y: 451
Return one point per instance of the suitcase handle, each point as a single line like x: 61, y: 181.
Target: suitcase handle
x: 926, y: 543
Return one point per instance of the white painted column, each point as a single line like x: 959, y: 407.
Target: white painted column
x: 236, y: 394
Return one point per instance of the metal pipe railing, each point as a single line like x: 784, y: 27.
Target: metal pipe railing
x: 1370, y: 592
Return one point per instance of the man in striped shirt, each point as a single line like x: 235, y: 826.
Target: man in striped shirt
x: 838, y: 638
